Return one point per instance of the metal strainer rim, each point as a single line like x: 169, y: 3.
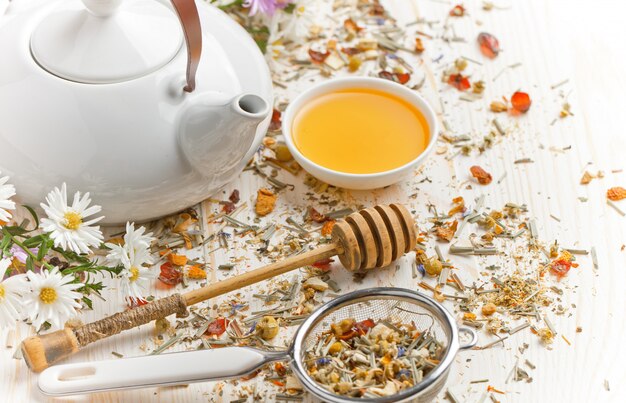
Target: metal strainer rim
x: 446, y: 319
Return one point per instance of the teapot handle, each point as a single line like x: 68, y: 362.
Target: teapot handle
x: 190, y: 21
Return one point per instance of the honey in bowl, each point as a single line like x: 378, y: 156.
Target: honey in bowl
x: 360, y: 131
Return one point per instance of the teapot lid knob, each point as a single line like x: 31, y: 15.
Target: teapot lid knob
x: 102, y: 8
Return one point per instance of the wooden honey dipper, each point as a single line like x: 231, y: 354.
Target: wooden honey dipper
x: 368, y: 239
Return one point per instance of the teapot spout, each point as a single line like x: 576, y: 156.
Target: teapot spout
x: 250, y: 106
x: 216, y: 136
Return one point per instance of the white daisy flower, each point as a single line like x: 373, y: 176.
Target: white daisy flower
x: 135, y: 240
x: 10, y: 291
x: 52, y: 298
x: 67, y: 224
x: 133, y: 255
x: 136, y: 282
x: 7, y: 191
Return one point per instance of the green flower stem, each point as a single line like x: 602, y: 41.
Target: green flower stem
x: 27, y: 250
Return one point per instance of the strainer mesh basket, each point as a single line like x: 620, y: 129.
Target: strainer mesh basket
x: 393, y: 309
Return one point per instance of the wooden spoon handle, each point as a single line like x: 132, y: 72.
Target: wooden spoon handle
x: 254, y: 276
x: 42, y: 351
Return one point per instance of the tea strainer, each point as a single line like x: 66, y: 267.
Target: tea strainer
x: 388, y: 304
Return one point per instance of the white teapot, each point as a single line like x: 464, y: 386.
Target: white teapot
x: 114, y: 98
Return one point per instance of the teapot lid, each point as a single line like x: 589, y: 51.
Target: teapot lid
x: 106, y: 41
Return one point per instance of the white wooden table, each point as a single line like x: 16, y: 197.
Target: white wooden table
x: 582, y: 41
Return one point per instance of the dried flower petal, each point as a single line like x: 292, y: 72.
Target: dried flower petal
x: 196, y: 273
x: 459, y: 206
x: 459, y: 82
x: 521, y: 102
x: 217, y: 327
x: 483, y: 177
x: 276, y: 122
x: 587, y: 177
x: 419, y: 46
x: 169, y: 274
x: 351, y: 26
x: 318, y: 57
x: 327, y: 228
x: 446, y: 232
x: 616, y: 193
x: 489, y: 45
x: 316, y: 216
x: 178, y: 260
x: 265, y: 202
x: 401, y: 78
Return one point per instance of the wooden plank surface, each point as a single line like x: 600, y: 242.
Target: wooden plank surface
x: 580, y: 41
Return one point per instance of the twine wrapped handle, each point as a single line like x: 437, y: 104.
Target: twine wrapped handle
x: 42, y: 351
x: 131, y: 318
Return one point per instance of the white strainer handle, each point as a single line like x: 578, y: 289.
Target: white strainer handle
x: 153, y: 370
x: 473, y: 339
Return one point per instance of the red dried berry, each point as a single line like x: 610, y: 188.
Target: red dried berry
x: 217, y: 327
x: 323, y: 264
x: 318, y: 57
x: 489, y: 45
x: 276, y: 122
x: 169, y: 274
x: 459, y: 82
x: 521, y: 102
x: 228, y: 207
x: 136, y: 302
x: 560, y: 267
x: 316, y: 216
x: 403, y: 78
x: 363, y: 326
x: 234, y: 196
x: 457, y: 11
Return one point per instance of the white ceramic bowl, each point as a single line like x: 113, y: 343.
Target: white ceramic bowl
x: 350, y: 180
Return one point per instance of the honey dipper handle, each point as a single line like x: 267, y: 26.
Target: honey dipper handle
x: 254, y: 276
x: 40, y: 352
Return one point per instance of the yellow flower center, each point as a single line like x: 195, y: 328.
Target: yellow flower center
x: 134, y: 274
x: 47, y: 295
x: 1, y: 291
x: 72, y: 220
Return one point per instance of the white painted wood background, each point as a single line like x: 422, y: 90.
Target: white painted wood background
x: 582, y: 41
